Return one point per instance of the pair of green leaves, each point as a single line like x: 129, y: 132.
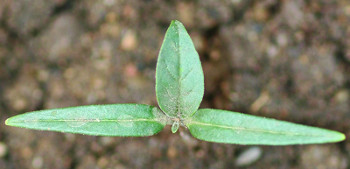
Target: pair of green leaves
x: 179, y: 90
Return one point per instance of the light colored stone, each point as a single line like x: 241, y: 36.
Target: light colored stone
x: 3, y: 149
x: 249, y: 156
x: 129, y: 41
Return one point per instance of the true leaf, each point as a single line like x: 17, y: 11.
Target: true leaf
x: 237, y: 128
x: 102, y: 120
x: 179, y: 74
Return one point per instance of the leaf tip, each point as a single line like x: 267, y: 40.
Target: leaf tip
x: 176, y: 22
x: 342, y: 137
x: 10, y: 121
x: 336, y: 137
x: 7, y: 122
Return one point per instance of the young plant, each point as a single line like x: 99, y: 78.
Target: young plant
x: 179, y: 91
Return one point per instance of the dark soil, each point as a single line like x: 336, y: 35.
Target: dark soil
x: 288, y: 60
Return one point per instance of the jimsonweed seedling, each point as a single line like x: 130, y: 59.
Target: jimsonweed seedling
x: 179, y: 91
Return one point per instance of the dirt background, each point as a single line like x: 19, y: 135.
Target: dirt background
x: 289, y: 60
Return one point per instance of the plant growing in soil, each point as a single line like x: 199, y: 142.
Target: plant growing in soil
x: 179, y: 91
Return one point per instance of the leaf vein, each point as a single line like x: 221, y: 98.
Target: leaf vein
x: 169, y: 72
x: 253, y: 129
x: 185, y: 76
x: 87, y: 120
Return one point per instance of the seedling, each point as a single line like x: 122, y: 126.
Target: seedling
x: 179, y: 91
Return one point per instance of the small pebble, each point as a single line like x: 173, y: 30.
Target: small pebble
x: 248, y: 156
x: 3, y: 149
x: 172, y: 152
x: 109, y: 2
x: 37, y: 162
x: 131, y: 70
x: 106, y: 141
x: 342, y: 96
x: 129, y: 41
x: 102, y: 162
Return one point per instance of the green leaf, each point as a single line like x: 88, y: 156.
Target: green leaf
x: 101, y: 120
x: 237, y: 128
x: 179, y: 75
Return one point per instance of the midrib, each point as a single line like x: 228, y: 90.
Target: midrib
x: 253, y: 129
x: 87, y: 120
x: 178, y: 51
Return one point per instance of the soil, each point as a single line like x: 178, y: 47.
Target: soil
x: 288, y: 60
